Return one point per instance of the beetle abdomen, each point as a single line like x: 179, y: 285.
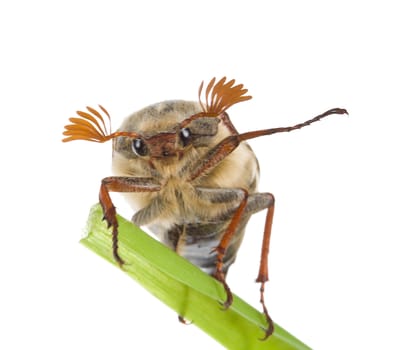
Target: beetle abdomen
x: 197, y: 242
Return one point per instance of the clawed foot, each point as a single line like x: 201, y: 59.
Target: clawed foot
x: 182, y: 320
x: 219, y: 276
x: 110, y: 218
x: 270, y: 329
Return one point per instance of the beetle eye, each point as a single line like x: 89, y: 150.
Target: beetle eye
x: 185, y: 135
x: 139, y: 147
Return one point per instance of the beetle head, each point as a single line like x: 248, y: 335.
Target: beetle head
x: 163, y: 130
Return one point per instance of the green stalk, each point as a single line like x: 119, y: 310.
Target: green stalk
x: 184, y: 288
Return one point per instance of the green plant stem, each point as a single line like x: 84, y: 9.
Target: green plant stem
x: 184, y: 288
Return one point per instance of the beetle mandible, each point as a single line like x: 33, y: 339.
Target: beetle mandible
x: 190, y: 176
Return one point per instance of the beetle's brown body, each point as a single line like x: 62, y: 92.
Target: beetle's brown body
x: 184, y: 214
x: 190, y: 177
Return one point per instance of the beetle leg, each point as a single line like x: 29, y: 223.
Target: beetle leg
x: 223, y: 245
x: 182, y: 320
x: 216, y: 154
x: 120, y: 184
x: 263, y: 268
x: 250, y: 204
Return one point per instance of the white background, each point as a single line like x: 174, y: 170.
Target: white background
x: 344, y: 254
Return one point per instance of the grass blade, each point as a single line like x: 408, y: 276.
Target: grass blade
x: 185, y: 288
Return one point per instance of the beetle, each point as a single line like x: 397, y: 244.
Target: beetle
x: 190, y: 177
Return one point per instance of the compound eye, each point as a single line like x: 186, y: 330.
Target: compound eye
x: 139, y: 147
x: 185, y: 136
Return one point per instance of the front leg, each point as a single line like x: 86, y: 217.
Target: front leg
x: 220, y: 151
x: 121, y: 184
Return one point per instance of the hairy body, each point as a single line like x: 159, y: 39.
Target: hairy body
x: 188, y: 216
